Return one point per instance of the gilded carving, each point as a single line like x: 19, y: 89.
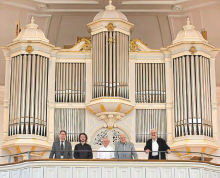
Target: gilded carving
x: 134, y: 45
x: 129, y: 111
x: 193, y: 50
x: 111, y: 40
x: 87, y: 45
x: 29, y: 49
x: 118, y: 108
x: 91, y: 110
x: 110, y: 27
x: 102, y: 107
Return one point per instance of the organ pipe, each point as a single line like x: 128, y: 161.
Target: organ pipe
x: 28, y: 95
x: 192, y: 96
x: 150, y: 83
x: 70, y: 82
x: 146, y: 119
x: 71, y: 120
x: 110, y: 64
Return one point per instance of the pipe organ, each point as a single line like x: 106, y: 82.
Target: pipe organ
x: 28, y: 95
x: 71, y: 120
x: 192, y: 96
x: 70, y: 82
x: 146, y: 119
x: 110, y: 64
x: 104, y: 88
x: 150, y: 83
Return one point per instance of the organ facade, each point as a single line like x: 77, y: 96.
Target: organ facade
x: 110, y: 85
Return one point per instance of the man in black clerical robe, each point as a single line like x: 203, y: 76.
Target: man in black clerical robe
x: 83, y: 150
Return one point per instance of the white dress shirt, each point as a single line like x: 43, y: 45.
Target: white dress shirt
x: 105, y: 155
x: 155, y: 147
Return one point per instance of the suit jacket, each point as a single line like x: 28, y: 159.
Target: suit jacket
x: 125, y: 155
x: 162, y: 147
x: 56, y: 150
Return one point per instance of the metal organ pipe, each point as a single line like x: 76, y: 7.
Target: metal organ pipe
x: 146, y: 119
x: 192, y: 96
x: 150, y: 83
x: 28, y: 95
x: 70, y: 82
x: 71, y: 120
x: 110, y: 64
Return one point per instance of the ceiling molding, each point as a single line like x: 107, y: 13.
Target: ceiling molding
x: 73, y: 10
x: 19, y: 5
x: 121, y: 10
x: 200, y: 6
x: 154, y: 2
x: 168, y: 10
x: 146, y: 10
x: 66, y: 2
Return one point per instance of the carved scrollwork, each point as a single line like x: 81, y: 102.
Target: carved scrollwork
x: 87, y: 45
x: 110, y: 119
x: 134, y: 45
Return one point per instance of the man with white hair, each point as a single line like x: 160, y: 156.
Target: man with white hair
x: 103, y: 152
x: 156, y: 144
x: 124, y: 149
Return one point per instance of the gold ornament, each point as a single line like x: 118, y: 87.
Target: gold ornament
x: 29, y: 49
x: 110, y: 27
x: 134, y: 45
x: 111, y: 40
x: 193, y: 50
x: 86, y: 47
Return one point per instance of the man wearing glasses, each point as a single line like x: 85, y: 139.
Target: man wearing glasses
x: 156, y: 144
x: 62, y: 149
x: 124, y: 149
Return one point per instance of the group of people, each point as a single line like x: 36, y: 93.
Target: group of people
x: 62, y: 149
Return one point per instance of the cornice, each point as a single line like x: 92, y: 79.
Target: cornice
x: 35, y: 7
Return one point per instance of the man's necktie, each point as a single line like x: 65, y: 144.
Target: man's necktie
x: 62, y: 150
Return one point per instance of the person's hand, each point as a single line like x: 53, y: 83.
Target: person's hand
x: 147, y: 151
x: 168, y: 151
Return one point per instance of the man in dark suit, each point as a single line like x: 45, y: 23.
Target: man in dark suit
x: 83, y: 150
x: 156, y: 144
x: 62, y: 149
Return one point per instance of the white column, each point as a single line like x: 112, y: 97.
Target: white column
x: 169, y: 97
x: 132, y: 81
x: 88, y: 92
x: 7, y: 93
x: 51, y: 99
x: 88, y: 80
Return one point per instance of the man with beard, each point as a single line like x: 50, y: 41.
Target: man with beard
x: 83, y: 150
